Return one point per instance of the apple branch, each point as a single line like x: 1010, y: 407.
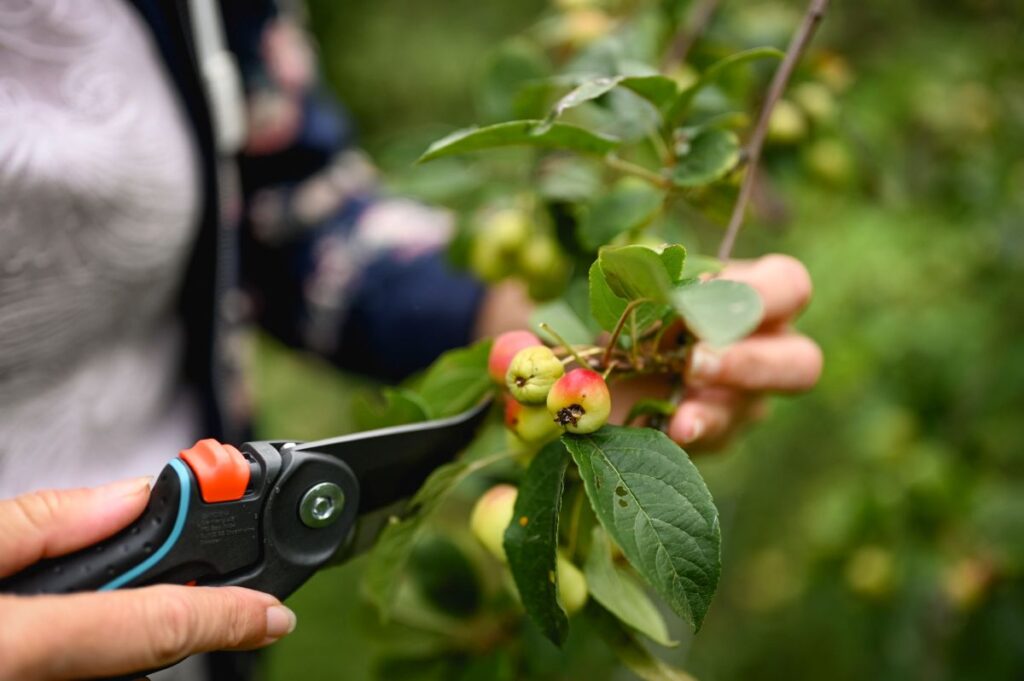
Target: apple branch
x: 688, y: 33
x: 815, y: 12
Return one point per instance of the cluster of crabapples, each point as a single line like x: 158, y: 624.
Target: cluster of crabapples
x: 543, y: 399
x: 508, y: 243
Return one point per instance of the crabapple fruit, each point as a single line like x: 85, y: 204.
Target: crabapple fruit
x: 491, y: 516
x: 504, y: 349
x: 532, y: 373
x: 580, y: 401
x: 495, y: 248
x: 532, y: 425
x: 787, y: 124
x: 572, y: 585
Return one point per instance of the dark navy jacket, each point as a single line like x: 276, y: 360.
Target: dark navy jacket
x: 261, y: 256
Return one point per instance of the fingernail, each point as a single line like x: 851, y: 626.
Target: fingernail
x: 126, y: 488
x: 280, y: 621
x: 705, y: 364
x: 694, y: 430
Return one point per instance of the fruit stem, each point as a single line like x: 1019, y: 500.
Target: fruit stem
x: 634, y: 354
x: 574, y: 357
x: 664, y: 153
x: 633, y: 304
x: 561, y: 341
x: 623, y: 166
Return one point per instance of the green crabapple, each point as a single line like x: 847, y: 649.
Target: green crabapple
x: 491, y: 516
x: 504, y: 349
x: 572, y: 585
x: 787, y: 124
x: 495, y: 248
x: 532, y: 373
x: 580, y: 401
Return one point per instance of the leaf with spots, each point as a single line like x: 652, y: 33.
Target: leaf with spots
x: 531, y: 540
x: 653, y: 502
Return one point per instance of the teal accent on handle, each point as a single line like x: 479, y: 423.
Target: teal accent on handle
x: 179, y: 525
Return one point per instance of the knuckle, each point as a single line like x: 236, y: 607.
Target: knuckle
x: 39, y: 508
x: 171, y: 627
x: 244, y: 619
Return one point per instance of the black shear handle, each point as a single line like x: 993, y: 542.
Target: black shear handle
x: 290, y: 514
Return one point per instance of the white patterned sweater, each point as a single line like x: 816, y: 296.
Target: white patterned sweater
x: 99, y: 196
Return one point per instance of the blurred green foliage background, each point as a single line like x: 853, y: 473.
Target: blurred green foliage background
x: 875, y: 527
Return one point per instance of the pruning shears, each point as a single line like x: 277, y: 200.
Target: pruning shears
x: 264, y: 515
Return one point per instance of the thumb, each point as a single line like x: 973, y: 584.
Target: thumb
x: 119, y: 632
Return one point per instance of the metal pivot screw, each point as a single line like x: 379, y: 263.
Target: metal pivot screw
x: 321, y: 505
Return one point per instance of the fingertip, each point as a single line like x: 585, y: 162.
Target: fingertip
x: 793, y: 274
x: 281, y: 621
x: 687, y: 425
x: 814, y: 362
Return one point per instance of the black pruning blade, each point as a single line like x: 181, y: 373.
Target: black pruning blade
x: 392, y: 463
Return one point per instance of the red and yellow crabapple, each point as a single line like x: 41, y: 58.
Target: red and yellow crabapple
x: 580, y: 401
x: 532, y: 425
x: 504, y: 349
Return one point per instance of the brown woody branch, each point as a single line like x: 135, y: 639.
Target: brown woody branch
x: 688, y: 32
x: 815, y: 12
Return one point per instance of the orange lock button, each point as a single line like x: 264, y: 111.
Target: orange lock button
x: 222, y: 471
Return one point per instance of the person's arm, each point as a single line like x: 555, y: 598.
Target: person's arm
x: 102, y: 634
x: 335, y: 264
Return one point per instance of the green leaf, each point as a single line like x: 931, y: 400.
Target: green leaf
x: 629, y: 205
x: 399, y: 407
x: 569, y: 178
x: 635, y: 272
x: 658, y: 90
x: 606, y: 307
x: 708, y: 157
x: 674, y: 258
x: 653, y: 502
x: 584, y: 92
x: 445, y: 576
x: 560, y: 316
x: 719, y: 311
x: 629, y: 650
x: 698, y: 264
x: 509, y: 86
x: 531, y: 540
x: 513, y: 133
x: 456, y: 381
x: 650, y: 406
x: 617, y: 590
x: 681, y: 106
x: 391, y: 553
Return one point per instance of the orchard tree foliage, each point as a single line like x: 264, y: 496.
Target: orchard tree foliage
x: 620, y: 137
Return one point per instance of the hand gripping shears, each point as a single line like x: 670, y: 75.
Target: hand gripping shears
x: 265, y: 515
